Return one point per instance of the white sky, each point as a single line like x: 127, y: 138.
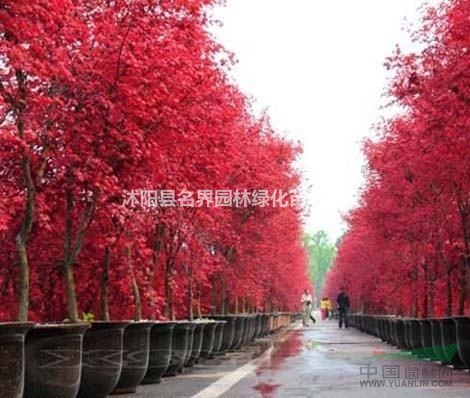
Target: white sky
x: 317, y: 66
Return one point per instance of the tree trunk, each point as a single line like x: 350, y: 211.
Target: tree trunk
x: 67, y: 264
x: 431, y: 300
x: 105, y: 286
x: 135, y: 285
x: 157, y: 247
x: 169, y: 310
x: 24, y: 279
x: 198, y: 307
x: 137, y: 298
x: 190, y: 294
x: 426, y: 291
x: 464, y: 218
x: 449, y: 292
x: 30, y: 207
x: 71, y: 295
x: 223, y: 309
x: 71, y: 251
x: 465, y: 274
x: 213, y: 297
x: 463, y: 284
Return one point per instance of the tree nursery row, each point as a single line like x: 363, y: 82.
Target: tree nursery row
x: 102, y: 358
x: 407, y: 251
x: 99, y: 98
x: 445, y: 340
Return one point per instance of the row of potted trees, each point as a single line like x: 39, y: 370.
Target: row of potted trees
x: 96, y: 359
x: 446, y: 340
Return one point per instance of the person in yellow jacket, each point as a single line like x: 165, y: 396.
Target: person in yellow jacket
x: 329, y: 308
x: 324, y: 308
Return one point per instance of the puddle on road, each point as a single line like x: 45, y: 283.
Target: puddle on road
x: 284, y: 349
x: 266, y: 389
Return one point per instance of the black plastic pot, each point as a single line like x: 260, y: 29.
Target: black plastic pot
x: 251, y: 332
x: 415, y: 336
x: 436, y: 339
x: 357, y: 321
x: 189, y: 349
x: 238, y: 337
x: 275, y: 321
x: 12, y: 358
x: 54, y: 360
x: 259, y: 325
x: 244, y: 330
x: 136, y: 346
x: 219, y: 337
x: 462, y: 325
x: 352, y: 321
x: 361, y: 323
x: 193, y: 357
x: 377, y: 326
x: 370, y: 325
x: 272, y: 322
x: 228, y: 331
x: 407, y: 323
x: 400, y: 333
x: 365, y: 323
x: 208, y: 339
x: 388, y: 330
x: 381, y: 328
x: 426, y: 339
x: 265, y: 328
x: 449, y: 341
x: 161, y: 336
x: 384, y: 329
x: 102, y: 359
x: 258, y: 321
x: 247, y: 329
x: 179, y: 347
x: 393, y: 331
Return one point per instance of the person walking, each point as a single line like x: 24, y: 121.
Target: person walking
x: 306, y: 301
x: 324, y: 308
x: 343, y: 306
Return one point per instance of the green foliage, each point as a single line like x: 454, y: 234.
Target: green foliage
x: 88, y: 317
x: 321, y: 255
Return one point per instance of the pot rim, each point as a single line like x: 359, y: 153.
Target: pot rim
x: 103, y: 325
x: 15, y: 323
x: 61, y: 325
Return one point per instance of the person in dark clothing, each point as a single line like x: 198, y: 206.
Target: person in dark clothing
x: 343, y: 306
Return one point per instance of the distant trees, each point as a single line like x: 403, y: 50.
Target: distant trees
x: 321, y: 253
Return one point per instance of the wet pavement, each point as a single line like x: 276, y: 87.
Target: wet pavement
x: 204, y: 374
x: 321, y: 361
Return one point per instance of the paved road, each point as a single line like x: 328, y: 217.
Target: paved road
x: 322, y: 361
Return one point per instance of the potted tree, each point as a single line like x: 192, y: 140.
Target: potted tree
x: 136, y: 343
x: 30, y: 99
